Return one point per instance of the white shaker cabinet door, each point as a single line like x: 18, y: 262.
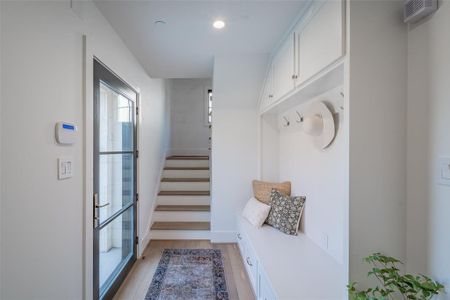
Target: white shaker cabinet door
x: 284, y: 68
x: 320, y: 43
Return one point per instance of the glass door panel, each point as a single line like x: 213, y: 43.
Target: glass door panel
x: 116, y: 121
x: 116, y: 184
x: 114, y: 181
x: 115, y: 247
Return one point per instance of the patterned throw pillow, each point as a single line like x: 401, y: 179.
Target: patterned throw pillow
x: 285, y: 212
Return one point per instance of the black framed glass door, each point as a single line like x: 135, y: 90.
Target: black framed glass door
x: 114, y: 200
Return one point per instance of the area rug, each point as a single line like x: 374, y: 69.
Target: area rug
x: 189, y: 274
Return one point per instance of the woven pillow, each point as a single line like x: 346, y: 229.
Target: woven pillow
x: 256, y: 212
x: 262, y: 189
x: 285, y: 212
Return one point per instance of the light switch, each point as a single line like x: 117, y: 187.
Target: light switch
x: 444, y: 171
x: 65, y: 167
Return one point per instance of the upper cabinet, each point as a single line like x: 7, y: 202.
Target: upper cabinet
x: 321, y: 41
x: 268, y: 93
x: 316, y: 42
x: 284, y: 68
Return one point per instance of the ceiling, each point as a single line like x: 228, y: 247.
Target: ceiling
x: 184, y: 47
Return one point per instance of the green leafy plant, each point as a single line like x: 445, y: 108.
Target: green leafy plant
x: 393, y: 284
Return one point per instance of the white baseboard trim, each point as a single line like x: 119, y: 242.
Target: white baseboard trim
x: 223, y: 237
x: 143, y: 242
x: 189, y: 151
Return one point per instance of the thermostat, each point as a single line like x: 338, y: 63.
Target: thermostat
x: 65, y: 133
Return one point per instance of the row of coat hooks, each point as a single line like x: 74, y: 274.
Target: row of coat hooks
x: 300, y: 118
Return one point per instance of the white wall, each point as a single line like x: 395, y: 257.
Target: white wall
x: 43, y: 218
x: 377, y: 110
x: 428, y: 207
x: 237, y: 80
x: 1, y: 182
x: 320, y: 175
x: 189, y: 130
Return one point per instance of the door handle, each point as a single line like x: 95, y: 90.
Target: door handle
x: 96, y: 209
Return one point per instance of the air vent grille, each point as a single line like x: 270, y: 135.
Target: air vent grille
x: 418, y: 9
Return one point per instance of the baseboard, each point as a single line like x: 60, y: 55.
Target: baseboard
x: 223, y: 236
x: 144, y: 242
x: 189, y: 151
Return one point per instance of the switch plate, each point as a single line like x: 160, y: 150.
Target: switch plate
x: 65, y: 167
x: 444, y: 171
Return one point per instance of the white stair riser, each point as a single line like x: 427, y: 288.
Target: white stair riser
x: 186, y: 174
x: 187, y: 163
x: 179, y: 235
x: 181, y: 216
x: 184, y: 186
x: 183, y: 200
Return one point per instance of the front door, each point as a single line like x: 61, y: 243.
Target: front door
x: 114, y: 200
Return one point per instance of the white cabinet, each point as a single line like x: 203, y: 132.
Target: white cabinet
x: 250, y: 261
x: 268, y: 93
x: 316, y: 42
x: 321, y: 41
x: 265, y: 291
x: 284, y: 68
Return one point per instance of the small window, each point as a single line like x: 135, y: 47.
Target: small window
x: 209, y: 98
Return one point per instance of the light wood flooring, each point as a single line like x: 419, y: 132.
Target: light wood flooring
x: 136, y: 284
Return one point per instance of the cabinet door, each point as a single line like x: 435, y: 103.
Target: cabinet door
x: 267, y: 96
x: 265, y: 291
x: 283, y: 68
x: 321, y: 41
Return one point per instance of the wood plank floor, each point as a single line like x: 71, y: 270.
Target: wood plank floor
x: 137, y: 282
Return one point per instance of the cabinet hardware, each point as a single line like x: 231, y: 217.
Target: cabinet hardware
x: 287, y: 122
x: 300, y: 117
x: 248, y: 261
x: 239, y: 236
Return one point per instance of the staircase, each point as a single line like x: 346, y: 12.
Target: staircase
x: 183, y: 203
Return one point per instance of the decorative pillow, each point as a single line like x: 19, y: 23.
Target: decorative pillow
x: 285, y: 212
x: 262, y: 189
x: 256, y: 212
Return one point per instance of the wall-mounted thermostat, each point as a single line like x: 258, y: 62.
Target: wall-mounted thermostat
x: 65, y: 133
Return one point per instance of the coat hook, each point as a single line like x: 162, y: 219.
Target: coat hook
x: 287, y: 122
x: 300, y: 117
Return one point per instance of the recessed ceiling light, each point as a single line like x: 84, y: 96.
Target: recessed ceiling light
x: 219, y: 24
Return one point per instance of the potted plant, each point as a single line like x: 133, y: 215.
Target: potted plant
x: 393, y: 284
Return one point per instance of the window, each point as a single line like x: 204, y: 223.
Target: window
x: 209, y: 99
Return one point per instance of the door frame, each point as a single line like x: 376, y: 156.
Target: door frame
x: 116, y: 83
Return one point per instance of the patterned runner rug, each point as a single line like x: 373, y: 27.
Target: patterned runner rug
x: 189, y: 274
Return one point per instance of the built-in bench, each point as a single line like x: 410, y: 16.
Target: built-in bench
x: 288, y: 267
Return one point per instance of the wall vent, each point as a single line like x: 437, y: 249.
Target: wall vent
x: 414, y: 10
